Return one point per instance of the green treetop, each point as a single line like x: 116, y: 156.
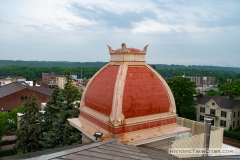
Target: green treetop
x: 232, y: 89
x: 71, y: 110
x: 29, y: 135
x: 62, y: 106
x: 183, y: 90
x: 53, y: 135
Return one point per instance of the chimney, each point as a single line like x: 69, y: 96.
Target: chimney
x: 34, y: 83
x: 207, y: 134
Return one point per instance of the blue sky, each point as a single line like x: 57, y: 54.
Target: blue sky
x: 188, y: 32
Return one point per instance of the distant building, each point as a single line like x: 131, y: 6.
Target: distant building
x: 60, y: 81
x: 49, y: 80
x: 223, y: 111
x: 14, y: 94
x: 8, y: 80
x: 202, y: 80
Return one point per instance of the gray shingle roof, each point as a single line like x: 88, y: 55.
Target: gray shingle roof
x: 222, y: 102
x: 41, y: 89
x: 109, y: 149
x: 18, y: 86
x: 11, y: 88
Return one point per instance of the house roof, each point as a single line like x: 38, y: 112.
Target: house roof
x: 41, y: 89
x: 11, y: 88
x: 18, y: 86
x: 222, y: 102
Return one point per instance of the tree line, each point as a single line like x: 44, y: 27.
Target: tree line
x: 31, y: 73
x: 4, y: 63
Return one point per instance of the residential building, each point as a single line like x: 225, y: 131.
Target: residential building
x: 14, y: 94
x: 224, y: 112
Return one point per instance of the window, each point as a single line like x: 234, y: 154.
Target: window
x: 201, y: 118
x: 202, y: 109
x: 234, y: 114
x: 22, y: 98
x: 213, y: 103
x: 238, y: 113
x: 233, y: 124
x: 212, y: 112
x: 238, y: 123
x: 223, y: 123
x: 223, y: 114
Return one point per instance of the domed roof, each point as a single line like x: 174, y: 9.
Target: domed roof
x: 143, y: 92
x: 127, y: 92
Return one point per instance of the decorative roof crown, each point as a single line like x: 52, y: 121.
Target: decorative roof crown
x: 127, y: 54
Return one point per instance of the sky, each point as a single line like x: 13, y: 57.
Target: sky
x: 184, y: 32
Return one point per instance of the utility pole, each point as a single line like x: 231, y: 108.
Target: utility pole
x: 81, y: 72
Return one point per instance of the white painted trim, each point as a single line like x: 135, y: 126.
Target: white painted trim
x: 116, y: 115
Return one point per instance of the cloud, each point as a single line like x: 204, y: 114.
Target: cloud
x: 180, y: 32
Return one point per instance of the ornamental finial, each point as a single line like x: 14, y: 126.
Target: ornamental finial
x: 110, y: 49
x: 144, y: 49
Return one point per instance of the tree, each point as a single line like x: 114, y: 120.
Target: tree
x: 12, y: 120
x: 53, y: 136
x: 62, y: 106
x: 213, y: 93
x: 232, y: 89
x: 3, y: 124
x: 71, y: 134
x: 29, y: 135
x: 183, y: 90
x: 76, y: 94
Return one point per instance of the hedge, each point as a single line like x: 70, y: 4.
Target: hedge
x: 7, y: 153
x: 232, y: 135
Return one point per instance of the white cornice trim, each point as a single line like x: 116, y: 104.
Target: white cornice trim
x: 80, y: 129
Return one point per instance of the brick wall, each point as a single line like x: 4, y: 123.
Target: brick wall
x: 16, y: 99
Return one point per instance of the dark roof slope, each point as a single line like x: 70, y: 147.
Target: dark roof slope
x: 11, y: 88
x: 222, y: 102
x: 18, y: 86
x: 41, y: 89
